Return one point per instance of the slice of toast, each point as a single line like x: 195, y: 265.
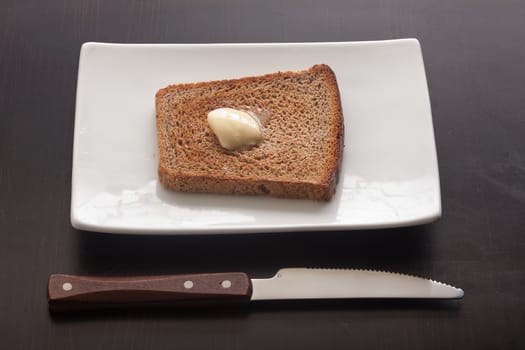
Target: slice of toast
x: 301, y: 152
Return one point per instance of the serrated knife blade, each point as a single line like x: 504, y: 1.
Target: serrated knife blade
x: 311, y: 283
x: 69, y: 292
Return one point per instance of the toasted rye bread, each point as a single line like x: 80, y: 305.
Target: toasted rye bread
x: 301, y: 152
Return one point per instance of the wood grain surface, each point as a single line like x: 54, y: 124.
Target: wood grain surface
x: 474, y: 57
x: 71, y: 293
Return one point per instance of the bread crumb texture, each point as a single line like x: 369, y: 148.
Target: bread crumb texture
x: 299, y: 157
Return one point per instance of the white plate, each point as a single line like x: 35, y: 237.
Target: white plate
x: 389, y: 176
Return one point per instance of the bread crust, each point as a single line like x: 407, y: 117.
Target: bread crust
x: 322, y: 186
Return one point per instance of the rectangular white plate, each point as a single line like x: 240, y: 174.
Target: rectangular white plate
x: 389, y: 177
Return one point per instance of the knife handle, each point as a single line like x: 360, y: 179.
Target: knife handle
x: 69, y: 292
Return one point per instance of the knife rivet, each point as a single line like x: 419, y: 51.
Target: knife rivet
x: 67, y: 286
x: 188, y: 284
x: 226, y: 284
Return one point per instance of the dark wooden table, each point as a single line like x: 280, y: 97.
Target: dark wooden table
x: 474, y: 54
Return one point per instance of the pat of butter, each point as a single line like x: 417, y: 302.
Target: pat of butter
x: 234, y: 128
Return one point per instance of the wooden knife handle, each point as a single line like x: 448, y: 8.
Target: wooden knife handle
x: 69, y: 293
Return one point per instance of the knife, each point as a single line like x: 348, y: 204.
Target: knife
x: 69, y: 292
